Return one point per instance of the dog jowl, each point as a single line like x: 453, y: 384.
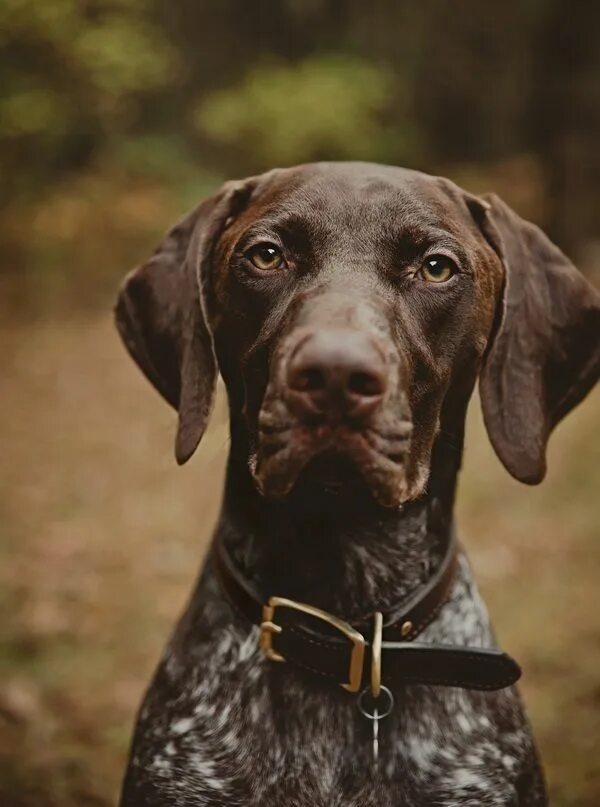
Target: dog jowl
x: 350, y: 309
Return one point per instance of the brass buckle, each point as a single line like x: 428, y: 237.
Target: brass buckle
x: 268, y: 628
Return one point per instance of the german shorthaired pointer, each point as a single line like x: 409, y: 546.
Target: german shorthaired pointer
x: 350, y: 309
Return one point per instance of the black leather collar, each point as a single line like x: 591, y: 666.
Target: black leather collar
x: 332, y: 649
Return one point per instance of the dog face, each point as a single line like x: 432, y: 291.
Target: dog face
x: 345, y: 303
x: 350, y: 308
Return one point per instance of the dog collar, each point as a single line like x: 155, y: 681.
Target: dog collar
x: 381, y: 649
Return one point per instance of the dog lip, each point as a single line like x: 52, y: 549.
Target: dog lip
x: 286, y: 449
x: 335, y: 436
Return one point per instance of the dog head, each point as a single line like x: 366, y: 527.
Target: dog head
x: 350, y: 308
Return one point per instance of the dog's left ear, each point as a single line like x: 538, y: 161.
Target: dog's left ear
x: 545, y: 355
x: 160, y: 315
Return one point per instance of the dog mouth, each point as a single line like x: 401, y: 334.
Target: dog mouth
x: 335, y: 459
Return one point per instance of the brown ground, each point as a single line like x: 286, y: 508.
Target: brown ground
x: 101, y: 536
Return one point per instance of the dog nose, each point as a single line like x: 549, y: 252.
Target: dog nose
x: 338, y: 373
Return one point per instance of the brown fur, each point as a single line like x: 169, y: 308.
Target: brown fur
x: 348, y: 515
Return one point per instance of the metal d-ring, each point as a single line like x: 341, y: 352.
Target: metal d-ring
x: 379, y: 711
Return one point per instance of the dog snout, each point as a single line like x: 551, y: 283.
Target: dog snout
x: 336, y: 373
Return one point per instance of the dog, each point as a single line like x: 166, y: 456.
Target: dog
x: 350, y: 309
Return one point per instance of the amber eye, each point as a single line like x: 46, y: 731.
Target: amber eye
x: 265, y: 257
x: 438, y: 269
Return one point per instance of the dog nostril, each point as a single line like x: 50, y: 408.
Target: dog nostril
x: 337, y: 373
x: 310, y: 379
x: 367, y: 385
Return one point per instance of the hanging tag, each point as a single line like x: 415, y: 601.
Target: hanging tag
x: 375, y: 738
x: 375, y: 710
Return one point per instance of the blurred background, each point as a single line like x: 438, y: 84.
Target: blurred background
x: 115, y: 117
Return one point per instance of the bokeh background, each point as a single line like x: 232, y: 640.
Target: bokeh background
x: 115, y: 117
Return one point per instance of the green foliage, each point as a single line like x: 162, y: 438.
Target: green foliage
x: 164, y: 92
x: 326, y: 107
x: 72, y: 74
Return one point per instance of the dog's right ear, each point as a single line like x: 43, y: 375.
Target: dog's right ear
x: 160, y: 314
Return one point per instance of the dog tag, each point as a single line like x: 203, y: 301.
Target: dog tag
x: 375, y: 737
x: 375, y: 709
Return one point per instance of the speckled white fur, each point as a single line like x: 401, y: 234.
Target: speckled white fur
x: 223, y: 726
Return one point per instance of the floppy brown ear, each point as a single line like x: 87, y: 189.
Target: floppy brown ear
x: 545, y: 355
x: 161, y: 318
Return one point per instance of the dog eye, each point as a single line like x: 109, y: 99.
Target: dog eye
x: 265, y: 257
x: 438, y: 269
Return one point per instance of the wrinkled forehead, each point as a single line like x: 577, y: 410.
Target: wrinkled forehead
x: 359, y: 202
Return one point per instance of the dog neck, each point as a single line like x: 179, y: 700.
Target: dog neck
x: 346, y: 554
